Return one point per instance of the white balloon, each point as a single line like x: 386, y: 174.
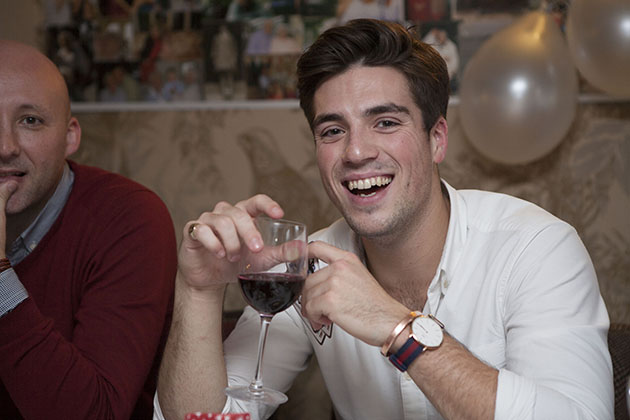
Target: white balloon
x: 519, y: 91
x: 598, y: 34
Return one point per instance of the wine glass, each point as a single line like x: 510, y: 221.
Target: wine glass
x: 271, y: 281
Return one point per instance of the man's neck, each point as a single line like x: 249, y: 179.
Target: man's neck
x: 406, y: 266
x: 46, y: 210
x: 17, y: 223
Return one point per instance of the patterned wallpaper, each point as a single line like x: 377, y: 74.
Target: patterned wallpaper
x: 194, y: 159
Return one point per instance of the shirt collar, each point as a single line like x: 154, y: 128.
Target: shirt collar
x: 451, y: 253
x: 30, y: 238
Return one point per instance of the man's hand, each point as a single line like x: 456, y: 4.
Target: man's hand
x: 213, y: 245
x: 347, y: 294
x: 6, y: 190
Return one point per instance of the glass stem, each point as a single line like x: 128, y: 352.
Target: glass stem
x: 257, y: 384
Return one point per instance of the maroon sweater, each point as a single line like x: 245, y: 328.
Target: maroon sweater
x: 87, y: 341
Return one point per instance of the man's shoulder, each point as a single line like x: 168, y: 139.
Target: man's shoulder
x: 499, y: 211
x: 90, y: 179
x: 103, y: 191
x: 91, y: 175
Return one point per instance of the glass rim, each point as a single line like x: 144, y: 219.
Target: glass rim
x: 280, y: 221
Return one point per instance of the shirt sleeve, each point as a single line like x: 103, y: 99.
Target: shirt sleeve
x: 287, y: 353
x: 12, y: 292
x: 157, y: 410
x: 99, y: 368
x: 556, y: 324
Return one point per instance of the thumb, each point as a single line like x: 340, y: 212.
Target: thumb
x: 6, y: 191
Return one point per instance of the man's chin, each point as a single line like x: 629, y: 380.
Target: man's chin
x: 378, y: 227
x: 368, y: 227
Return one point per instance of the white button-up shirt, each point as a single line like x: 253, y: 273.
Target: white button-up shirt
x: 515, y: 285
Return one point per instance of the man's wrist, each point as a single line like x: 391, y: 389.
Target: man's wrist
x: 427, y: 332
x: 209, y: 295
x: 400, y: 340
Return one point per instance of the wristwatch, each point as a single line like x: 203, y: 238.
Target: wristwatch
x: 426, y: 333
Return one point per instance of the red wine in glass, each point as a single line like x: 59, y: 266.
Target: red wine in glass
x: 270, y: 293
x: 271, y: 279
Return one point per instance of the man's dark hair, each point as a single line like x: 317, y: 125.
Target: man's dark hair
x: 375, y: 43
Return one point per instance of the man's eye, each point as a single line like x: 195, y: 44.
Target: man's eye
x: 387, y: 123
x: 330, y: 135
x: 31, y: 120
x: 331, y: 132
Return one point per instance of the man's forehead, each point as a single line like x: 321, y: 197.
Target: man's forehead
x: 364, y: 90
x: 30, y: 81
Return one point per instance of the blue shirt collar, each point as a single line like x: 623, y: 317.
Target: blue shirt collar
x: 29, y: 239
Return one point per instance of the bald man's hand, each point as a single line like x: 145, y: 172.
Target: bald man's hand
x: 6, y: 190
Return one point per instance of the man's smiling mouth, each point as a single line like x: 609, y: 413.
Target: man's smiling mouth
x: 367, y: 187
x: 10, y: 174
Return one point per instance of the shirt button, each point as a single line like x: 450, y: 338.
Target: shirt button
x: 407, y: 377
x: 32, y: 245
x: 446, y: 283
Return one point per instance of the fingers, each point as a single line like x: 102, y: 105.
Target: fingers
x: 346, y: 293
x: 224, y: 230
x: 291, y: 255
x: 6, y: 190
x: 199, y: 234
x: 318, y: 297
x: 261, y: 204
x: 326, y: 278
x: 293, y: 251
x: 326, y: 252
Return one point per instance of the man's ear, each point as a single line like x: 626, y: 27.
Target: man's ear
x: 73, y: 136
x: 439, y: 140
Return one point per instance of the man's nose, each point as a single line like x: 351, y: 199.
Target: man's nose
x: 360, y: 147
x: 9, y: 146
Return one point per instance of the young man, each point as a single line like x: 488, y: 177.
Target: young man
x: 87, y: 261
x: 429, y: 302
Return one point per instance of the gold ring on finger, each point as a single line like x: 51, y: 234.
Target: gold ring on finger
x: 192, y: 231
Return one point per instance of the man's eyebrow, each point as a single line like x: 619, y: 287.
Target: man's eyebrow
x: 375, y: 110
x: 27, y: 107
x: 385, y: 108
x: 320, y: 119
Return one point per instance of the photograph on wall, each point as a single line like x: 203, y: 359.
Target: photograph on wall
x: 316, y: 25
x: 272, y: 76
x: 233, y: 49
x: 113, y: 51
x: 73, y: 59
x: 442, y: 36
x: 492, y: 6
x: 223, y: 56
x: 321, y: 8
x: 271, y: 51
x: 390, y: 10
x: 428, y: 10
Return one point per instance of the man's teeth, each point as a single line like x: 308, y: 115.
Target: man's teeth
x: 367, y: 183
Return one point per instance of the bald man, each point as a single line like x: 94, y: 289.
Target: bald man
x: 87, y: 262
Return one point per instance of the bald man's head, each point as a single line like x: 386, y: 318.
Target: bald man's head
x: 18, y: 58
x: 37, y: 132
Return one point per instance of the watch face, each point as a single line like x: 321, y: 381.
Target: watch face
x: 426, y: 331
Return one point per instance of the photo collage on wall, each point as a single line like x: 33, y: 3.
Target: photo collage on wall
x: 191, y: 50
